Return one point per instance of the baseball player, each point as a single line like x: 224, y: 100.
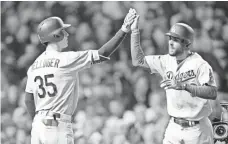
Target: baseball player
x: 52, y: 84
x: 188, y: 81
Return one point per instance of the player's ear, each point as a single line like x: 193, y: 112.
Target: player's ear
x: 186, y: 43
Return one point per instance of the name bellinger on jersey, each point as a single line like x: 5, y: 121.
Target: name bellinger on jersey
x: 50, y: 62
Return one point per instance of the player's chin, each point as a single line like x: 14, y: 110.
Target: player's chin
x: 65, y: 45
x: 172, y: 53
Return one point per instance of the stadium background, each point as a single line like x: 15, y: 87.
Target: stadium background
x: 118, y: 102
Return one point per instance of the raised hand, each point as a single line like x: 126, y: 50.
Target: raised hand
x: 129, y: 19
x: 135, y: 24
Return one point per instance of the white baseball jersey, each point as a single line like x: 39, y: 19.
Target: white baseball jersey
x: 53, y: 79
x: 193, y: 70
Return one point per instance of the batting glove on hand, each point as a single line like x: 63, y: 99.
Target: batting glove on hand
x: 135, y: 24
x: 172, y: 84
x: 129, y: 19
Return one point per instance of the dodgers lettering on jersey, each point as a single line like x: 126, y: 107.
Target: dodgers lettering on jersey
x: 53, y: 79
x: 193, y: 70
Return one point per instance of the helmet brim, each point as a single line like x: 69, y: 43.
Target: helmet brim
x: 177, y: 36
x: 66, y: 25
x: 173, y: 35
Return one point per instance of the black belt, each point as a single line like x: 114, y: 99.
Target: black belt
x: 185, y: 123
x: 50, y: 122
x: 55, y: 115
x: 52, y: 114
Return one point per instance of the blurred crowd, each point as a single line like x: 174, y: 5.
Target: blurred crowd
x: 119, y: 103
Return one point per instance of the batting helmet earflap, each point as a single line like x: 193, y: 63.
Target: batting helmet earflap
x: 182, y: 31
x: 50, y: 30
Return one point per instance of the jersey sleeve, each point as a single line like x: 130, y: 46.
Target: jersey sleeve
x: 205, y: 75
x: 156, y: 63
x: 80, y: 60
x: 29, y: 88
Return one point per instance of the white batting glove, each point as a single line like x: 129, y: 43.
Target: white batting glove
x: 129, y: 19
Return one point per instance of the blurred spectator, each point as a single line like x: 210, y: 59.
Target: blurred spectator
x: 133, y: 135
x: 142, y: 90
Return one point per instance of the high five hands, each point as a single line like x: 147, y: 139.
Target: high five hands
x: 135, y: 24
x: 130, y: 21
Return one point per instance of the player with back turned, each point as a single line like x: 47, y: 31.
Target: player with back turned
x: 52, y: 84
x: 188, y: 81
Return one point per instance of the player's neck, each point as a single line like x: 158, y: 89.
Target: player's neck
x: 183, y: 56
x: 53, y: 47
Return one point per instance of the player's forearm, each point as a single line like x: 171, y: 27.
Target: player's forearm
x: 138, y: 57
x: 205, y: 92
x: 30, y: 105
x: 108, y: 48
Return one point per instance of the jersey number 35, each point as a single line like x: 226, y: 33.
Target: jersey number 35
x: 44, y: 83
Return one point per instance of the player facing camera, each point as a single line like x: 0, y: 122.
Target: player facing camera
x: 221, y: 128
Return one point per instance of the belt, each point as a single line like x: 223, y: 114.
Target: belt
x: 50, y: 122
x: 185, y: 123
x: 55, y: 115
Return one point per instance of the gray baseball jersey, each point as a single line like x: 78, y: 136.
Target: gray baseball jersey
x: 53, y: 79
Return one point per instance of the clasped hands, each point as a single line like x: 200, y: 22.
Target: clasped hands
x: 130, y: 21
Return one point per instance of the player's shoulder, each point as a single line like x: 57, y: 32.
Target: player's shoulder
x: 73, y: 53
x: 30, y: 68
x: 200, y: 61
x: 162, y: 58
x: 165, y: 56
x: 168, y: 58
